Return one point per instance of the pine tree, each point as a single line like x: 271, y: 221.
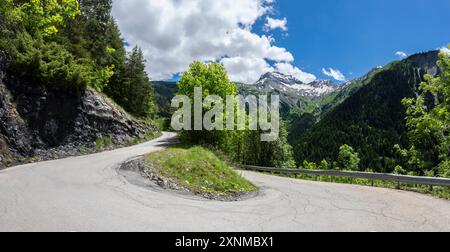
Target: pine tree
x: 138, y: 94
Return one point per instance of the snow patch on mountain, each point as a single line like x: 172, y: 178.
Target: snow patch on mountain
x: 287, y: 83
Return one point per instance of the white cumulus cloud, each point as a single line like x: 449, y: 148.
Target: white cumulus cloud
x: 173, y: 33
x: 334, y: 73
x: 273, y: 24
x: 244, y: 70
x: 289, y: 69
x: 445, y: 50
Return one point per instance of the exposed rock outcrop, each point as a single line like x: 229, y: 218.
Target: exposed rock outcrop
x: 45, y: 123
x: 289, y: 84
x: 426, y: 62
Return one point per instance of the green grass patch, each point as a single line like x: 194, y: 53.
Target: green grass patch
x: 198, y: 170
x: 163, y: 124
x: 103, y: 142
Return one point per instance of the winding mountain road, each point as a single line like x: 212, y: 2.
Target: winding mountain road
x: 89, y: 193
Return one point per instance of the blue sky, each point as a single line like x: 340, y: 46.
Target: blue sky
x: 356, y: 35
x: 302, y: 38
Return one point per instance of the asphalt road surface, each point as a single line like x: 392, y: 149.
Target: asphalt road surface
x: 89, y: 194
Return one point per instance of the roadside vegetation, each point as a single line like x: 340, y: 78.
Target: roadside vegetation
x: 199, y: 170
x: 240, y: 146
x: 74, y: 45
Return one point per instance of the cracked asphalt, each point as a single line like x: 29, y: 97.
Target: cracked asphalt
x: 88, y: 193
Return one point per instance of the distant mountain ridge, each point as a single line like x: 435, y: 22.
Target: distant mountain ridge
x: 287, y: 83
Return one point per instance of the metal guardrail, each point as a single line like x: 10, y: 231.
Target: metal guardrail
x: 412, y: 180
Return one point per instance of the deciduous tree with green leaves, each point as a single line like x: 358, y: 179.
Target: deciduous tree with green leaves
x: 428, y: 121
x: 74, y: 43
x: 242, y: 146
x: 46, y: 16
x: 213, y: 79
x: 348, y: 159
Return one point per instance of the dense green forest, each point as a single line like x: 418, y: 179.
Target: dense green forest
x: 371, y: 121
x: 164, y: 92
x: 74, y: 44
x: 376, y: 123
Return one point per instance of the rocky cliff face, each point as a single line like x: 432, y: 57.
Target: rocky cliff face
x: 426, y: 62
x: 45, y: 123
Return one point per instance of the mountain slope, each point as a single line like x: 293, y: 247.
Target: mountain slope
x: 304, y: 119
x: 289, y: 84
x: 164, y: 92
x: 330, y: 101
x: 296, y: 97
x: 291, y: 103
x: 371, y: 118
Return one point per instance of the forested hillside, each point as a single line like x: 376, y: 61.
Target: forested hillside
x: 371, y: 119
x: 164, y: 92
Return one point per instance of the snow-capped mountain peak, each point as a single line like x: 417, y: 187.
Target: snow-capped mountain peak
x: 289, y: 84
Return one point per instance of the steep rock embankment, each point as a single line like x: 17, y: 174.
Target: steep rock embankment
x: 44, y: 123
